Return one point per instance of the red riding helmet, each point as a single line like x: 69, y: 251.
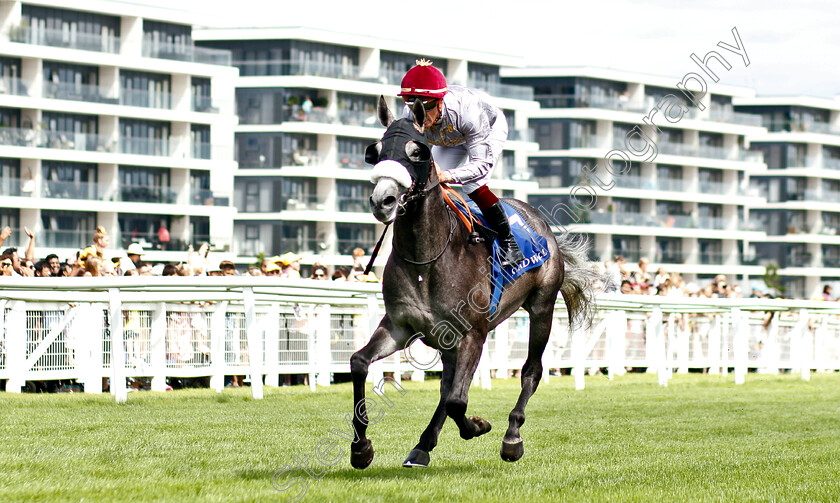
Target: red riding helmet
x: 424, y: 80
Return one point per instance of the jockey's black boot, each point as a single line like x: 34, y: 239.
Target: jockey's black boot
x: 497, y: 219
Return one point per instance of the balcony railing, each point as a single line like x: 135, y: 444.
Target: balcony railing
x: 295, y: 113
x: 144, y: 146
x: 829, y: 196
x: 671, y: 257
x: 631, y: 254
x: 504, y: 90
x: 633, y: 182
x: 715, y: 188
x: 180, y: 52
x: 750, y: 225
x: 206, y: 197
x: 302, y: 202
x: 298, y: 245
x: 672, y: 184
x: 200, y: 150
x: 830, y: 163
x: 72, y: 190
x: 68, y: 38
x: 575, y: 101
x: 16, y: 187
x: 521, y: 134
x: 584, y: 141
x: 356, y: 118
x: 287, y: 67
x: 723, y: 115
x: 147, y: 194
x: 716, y: 223
x: 711, y: 258
x: 346, y: 246
x: 55, y: 139
x: 14, y: 86
x: 140, y: 98
x: 203, y: 104
x: 352, y: 161
x: 353, y: 204
x: 301, y: 158
x: 64, y: 239
x: 78, y: 92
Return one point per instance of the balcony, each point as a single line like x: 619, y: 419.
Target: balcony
x: 144, y: 146
x: 800, y: 260
x: 180, y: 52
x: 751, y: 225
x: 147, y: 194
x: 288, y: 67
x: 145, y: 99
x: 73, y: 190
x: 584, y: 141
x: 78, y: 92
x: 709, y: 151
x: 504, y: 90
x: 632, y: 255
x: 830, y: 196
x: 13, y: 86
x: 67, y: 38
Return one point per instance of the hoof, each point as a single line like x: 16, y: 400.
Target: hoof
x: 361, y: 456
x: 512, y: 451
x: 483, y: 425
x: 417, y: 458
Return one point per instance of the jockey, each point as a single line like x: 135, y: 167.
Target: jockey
x: 467, y: 134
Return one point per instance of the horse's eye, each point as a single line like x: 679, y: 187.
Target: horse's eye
x: 413, y: 151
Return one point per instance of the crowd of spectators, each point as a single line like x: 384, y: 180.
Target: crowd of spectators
x: 98, y: 260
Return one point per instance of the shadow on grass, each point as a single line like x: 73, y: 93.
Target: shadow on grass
x: 350, y: 473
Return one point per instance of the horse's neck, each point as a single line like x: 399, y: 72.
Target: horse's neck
x: 424, y: 229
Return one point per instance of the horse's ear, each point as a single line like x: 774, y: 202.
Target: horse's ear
x: 372, y: 153
x: 419, y: 114
x: 385, y: 115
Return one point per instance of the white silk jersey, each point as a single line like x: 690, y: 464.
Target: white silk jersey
x: 468, y: 138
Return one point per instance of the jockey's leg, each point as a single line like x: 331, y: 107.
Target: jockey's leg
x: 496, y: 217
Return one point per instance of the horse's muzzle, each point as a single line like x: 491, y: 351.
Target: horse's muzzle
x: 384, y: 201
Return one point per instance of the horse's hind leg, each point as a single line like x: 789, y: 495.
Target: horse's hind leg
x: 541, y: 318
x: 386, y: 340
x: 469, y: 352
x: 419, y: 456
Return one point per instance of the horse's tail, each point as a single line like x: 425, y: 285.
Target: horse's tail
x: 581, y: 282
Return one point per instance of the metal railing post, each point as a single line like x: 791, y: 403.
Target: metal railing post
x: 118, y: 371
x: 255, y: 346
x: 217, y: 347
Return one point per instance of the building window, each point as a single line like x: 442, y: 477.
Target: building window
x: 67, y: 229
x: 144, y: 137
x: 65, y: 28
x: 143, y: 89
x: 145, y: 185
x: 353, y: 196
x: 202, y: 100
x: 69, y: 180
x: 352, y: 236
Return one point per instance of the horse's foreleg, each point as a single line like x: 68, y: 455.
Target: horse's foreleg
x: 386, y: 340
x: 469, y: 352
x: 512, y: 446
x: 419, y: 456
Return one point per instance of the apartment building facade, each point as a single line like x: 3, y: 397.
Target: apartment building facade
x: 109, y: 115
x: 801, y: 218
x: 679, y: 195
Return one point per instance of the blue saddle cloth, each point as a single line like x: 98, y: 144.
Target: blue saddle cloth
x: 534, y: 247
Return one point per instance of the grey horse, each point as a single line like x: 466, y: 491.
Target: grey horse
x: 436, y: 288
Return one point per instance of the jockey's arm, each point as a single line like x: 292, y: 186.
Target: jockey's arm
x: 484, y: 142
